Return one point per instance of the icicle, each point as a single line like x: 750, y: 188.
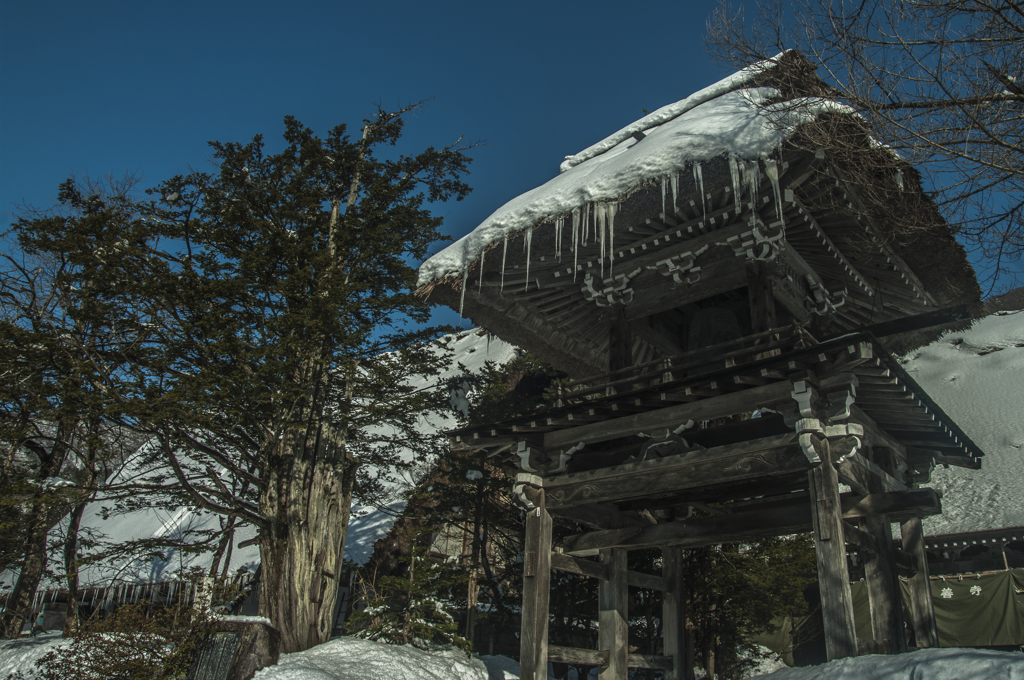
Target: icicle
x: 504, y: 252
x: 558, y: 239
x: 675, y: 191
x: 575, y: 240
x: 899, y: 179
x: 771, y: 168
x: 753, y: 176
x: 586, y: 213
x: 480, y: 285
x: 612, y: 209
x: 663, y: 187
x: 528, y: 244
x: 698, y: 179
x: 737, y: 188
x: 487, y: 352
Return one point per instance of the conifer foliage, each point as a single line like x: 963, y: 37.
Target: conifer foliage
x: 270, y: 304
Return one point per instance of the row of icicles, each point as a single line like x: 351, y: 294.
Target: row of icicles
x: 596, y: 221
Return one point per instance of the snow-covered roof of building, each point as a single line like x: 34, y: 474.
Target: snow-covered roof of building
x: 727, y: 118
x: 740, y: 162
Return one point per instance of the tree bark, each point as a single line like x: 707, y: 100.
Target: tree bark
x: 308, y: 501
x: 71, y: 568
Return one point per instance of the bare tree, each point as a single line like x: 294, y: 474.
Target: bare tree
x: 936, y: 81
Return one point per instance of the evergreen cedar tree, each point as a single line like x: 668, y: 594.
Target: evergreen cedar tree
x: 57, y: 347
x: 273, y: 330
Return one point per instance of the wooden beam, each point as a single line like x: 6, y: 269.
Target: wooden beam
x: 882, y: 579
x: 910, y: 503
x: 693, y: 533
x: 613, y: 617
x: 922, y: 613
x: 678, y: 643
x: 600, y: 517
x: 620, y: 340
x: 707, y: 409
x: 656, y: 293
x: 649, y: 581
x: 596, y: 657
x: 760, y: 297
x: 581, y: 567
x: 533, y: 648
x: 760, y: 458
x: 858, y: 469
x: 830, y: 552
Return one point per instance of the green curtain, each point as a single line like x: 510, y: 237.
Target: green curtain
x: 972, y: 611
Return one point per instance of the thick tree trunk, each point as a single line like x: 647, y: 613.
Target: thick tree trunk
x: 71, y: 568
x: 34, y: 564
x: 308, y: 502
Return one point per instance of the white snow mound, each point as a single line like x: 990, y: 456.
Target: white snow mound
x: 925, y: 664
x: 354, y: 659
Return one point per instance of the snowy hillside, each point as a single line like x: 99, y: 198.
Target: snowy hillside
x: 977, y: 377
x: 471, y: 348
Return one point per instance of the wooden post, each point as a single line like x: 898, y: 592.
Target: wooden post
x: 925, y: 631
x: 673, y: 616
x: 613, y: 619
x: 761, y: 298
x: 884, y: 588
x: 533, y: 639
x: 830, y: 551
x: 620, y: 340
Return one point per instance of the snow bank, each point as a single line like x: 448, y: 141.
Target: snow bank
x: 354, y: 659
x: 21, y: 656
x: 925, y: 664
x: 977, y: 377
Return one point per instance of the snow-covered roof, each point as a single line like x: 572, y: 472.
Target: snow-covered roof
x: 728, y: 118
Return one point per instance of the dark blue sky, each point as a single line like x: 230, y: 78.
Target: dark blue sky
x: 99, y: 87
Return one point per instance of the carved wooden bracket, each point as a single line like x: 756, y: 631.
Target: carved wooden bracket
x: 610, y: 291
x: 762, y: 243
x: 682, y: 268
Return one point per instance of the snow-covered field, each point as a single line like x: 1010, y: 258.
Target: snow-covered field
x: 977, y: 377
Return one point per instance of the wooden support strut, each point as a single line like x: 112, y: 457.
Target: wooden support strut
x: 613, y: 617
x: 678, y: 644
x: 830, y: 551
x: 533, y: 649
x: 922, y: 612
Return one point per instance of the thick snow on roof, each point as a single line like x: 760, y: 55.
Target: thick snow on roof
x: 472, y: 349
x: 723, y: 119
x: 977, y: 378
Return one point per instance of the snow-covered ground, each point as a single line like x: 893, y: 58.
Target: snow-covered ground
x: 977, y: 378
x: 925, y: 664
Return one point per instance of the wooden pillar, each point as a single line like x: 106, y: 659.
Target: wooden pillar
x: 673, y: 616
x: 620, y: 340
x: 830, y: 551
x: 533, y: 639
x: 761, y: 298
x: 613, y: 618
x: 884, y: 587
x: 925, y: 631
